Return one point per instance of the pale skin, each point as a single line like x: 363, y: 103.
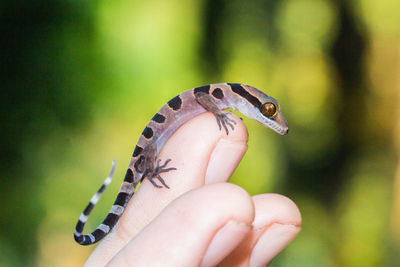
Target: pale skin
x: 201, y: 220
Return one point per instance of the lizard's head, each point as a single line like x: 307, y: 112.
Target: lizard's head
x: 271, y: 116
x: 259, y: 106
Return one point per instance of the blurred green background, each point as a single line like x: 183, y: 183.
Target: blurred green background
x: 80, y: 79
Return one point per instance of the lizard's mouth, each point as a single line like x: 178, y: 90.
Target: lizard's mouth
x: 278, y: 124
x: 278, y: 128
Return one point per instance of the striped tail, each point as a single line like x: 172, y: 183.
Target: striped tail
x: 125, y: 193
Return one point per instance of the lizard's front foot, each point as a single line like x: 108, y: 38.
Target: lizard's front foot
x: 223, y: 120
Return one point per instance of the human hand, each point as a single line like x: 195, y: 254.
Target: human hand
x: 201, y: 220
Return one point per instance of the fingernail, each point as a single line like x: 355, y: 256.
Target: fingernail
x: 225, y: 241
x: 274, y: 239
x: 226, y: 153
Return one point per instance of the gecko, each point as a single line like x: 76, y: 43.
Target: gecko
x: 215, y: 98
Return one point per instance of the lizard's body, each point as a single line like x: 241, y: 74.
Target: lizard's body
x: 215, y: 98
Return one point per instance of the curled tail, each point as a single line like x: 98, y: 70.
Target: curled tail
x: 125, y: 193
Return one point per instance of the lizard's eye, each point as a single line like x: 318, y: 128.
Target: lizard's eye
x: 268, y: 109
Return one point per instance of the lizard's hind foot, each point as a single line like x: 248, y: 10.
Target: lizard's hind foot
x: 155, y: 174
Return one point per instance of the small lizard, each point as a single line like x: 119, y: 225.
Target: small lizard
x: 214, y: 98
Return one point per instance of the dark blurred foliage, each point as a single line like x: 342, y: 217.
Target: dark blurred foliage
x: 61, y: 61
x: 49, y: 72
x: 347, y: 52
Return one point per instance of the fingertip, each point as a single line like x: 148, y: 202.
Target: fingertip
x: 272, y: 242
x: 225, y: 241
x: 202, y: 153
x: 227, y: 152
x: 275, y: 208
x: 277, y: 223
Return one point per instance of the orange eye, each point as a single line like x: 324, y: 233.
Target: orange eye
x: 268, y: 109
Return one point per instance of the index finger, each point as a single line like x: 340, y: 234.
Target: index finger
x: 201, y: 153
